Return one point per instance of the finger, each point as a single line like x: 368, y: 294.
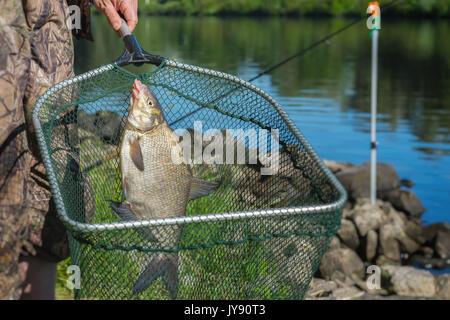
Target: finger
x: 129, y: 10
x: 113, y: 17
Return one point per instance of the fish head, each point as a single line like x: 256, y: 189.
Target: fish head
x: 145, y: 111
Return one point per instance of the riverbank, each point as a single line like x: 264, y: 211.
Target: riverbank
x: 389, y: 235
x: 412, y: 259
x: 433, y: 8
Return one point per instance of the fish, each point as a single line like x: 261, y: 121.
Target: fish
x: 153, y: 185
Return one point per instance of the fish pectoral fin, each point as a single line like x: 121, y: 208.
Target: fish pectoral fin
x: 167, y: 267
x: 124, y: 213
x: 136, y: 153
x: 201, y: 188
x: 123, y: 210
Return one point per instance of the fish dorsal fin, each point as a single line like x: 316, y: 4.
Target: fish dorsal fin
x: 136, y: 153
x: 201, y: 188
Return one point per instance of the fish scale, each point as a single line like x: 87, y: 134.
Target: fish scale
x: 162, y: 189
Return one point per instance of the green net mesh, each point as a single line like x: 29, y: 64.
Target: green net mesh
x: 257, y: 237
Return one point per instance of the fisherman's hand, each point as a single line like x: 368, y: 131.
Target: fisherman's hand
x: 110, y: 9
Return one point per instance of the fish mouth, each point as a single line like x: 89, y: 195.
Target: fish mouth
x: 136, y: 90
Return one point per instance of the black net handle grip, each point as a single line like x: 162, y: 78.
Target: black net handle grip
x: 133, y: 53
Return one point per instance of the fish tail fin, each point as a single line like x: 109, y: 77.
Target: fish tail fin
x: 166, y: 267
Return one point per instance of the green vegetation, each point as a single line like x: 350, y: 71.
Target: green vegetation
x: 251, y: 269
x: 290, y: 7
x: 62, y: 292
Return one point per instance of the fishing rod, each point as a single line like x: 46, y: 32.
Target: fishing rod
x: 288, y: 59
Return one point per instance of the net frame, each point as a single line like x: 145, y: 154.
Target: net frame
x: 92, y: 229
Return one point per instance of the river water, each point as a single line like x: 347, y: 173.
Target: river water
x: 326, y: 91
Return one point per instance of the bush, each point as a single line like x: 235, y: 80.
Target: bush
x: 290, y: 7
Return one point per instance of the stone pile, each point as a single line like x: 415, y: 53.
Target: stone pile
x: 388, y: 234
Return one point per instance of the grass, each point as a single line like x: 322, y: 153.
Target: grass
x: 216, y: 260
x: 62, y: 292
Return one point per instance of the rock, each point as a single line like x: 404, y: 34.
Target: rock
x: 90, y: 141
x: 249, y: 179
x: 370, y: 296
x: 294, y: 249
x: 246, y: 196
x: 104, y: 124
x: 291, y: 160
x: 336, y: 167
x: 427, y: 252
x: 429, y: 232
x: 111, y: 124
x: 348, y: 206
x: 335, y: 243
x: 437, y: 236
x: 407, y: 183
x: 343, y: 280
x: 388, y: 243
x: 371, y: 245
x: 286, y: 167
x: 347, y: 293
x: 442, y: 245
x: 413, y: 231
x: 356, y: 179
x: 276, y: 192
x: 383, y: 261
x: 398, y: 217
x: 315, y: 281
x: 348, y: 234
x: 320, y: 288
x: 347, y: 213
x: 398, y: 222
x: 443, y: 287
x: 407, y: 244
x: 368, y: 217
x: 343, y: 260
x: 409, y: 281
x: 406, y: 201
x: 428, y: 262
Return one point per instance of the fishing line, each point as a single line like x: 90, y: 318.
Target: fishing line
x: 317, y: 43
x: 288, y: 59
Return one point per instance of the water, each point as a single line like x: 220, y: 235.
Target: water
x: 326, y: 91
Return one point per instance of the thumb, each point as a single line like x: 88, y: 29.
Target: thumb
x: 130, y: 14
x: 113, y: 17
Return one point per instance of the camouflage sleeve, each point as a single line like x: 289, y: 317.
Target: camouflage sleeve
x: 36, y: 53
x: 14, y: 68
x: 85, y: 10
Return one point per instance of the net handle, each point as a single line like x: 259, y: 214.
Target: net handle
x: 133, y: 53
